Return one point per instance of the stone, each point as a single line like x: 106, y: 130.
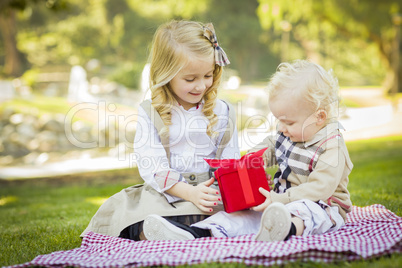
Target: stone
x: 7, y: 91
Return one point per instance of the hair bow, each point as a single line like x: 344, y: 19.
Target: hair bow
x: 220, y: 56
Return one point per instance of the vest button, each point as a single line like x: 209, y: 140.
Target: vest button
x: 192, y: 177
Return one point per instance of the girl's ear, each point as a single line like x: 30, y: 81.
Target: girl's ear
x: 321, y: 116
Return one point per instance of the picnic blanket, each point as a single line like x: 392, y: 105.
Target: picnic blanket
x: 369, y: 232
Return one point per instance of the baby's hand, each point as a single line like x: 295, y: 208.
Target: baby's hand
x: 266, y: 203
x: 205, y: 197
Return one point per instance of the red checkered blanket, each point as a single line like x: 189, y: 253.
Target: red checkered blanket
x: 369, y: 232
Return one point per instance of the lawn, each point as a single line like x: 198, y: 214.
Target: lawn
x: 37, y: 105
x: 43, y: 216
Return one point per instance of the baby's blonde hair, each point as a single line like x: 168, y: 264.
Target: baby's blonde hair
x: 309, y: 80
x: 173, y: 45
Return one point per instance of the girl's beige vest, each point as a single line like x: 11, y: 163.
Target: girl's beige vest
x: 133, y: 204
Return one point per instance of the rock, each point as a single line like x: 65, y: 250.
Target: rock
x: 7, y: 113
x: 6, y: 160
x: 30, y: 159
x: 16, y: 118
x: 14, y: 149
x: 54, y: 126
x: 7, y: 91
x: 33, y: 144
x: 26, y: 131
x: 27, y: 138
x: 7, y: 130
x: 47, y: 141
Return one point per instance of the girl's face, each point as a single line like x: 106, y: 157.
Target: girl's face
x: 191, y: 83
x: 297, y: 119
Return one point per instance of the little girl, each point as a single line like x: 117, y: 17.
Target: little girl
x: 182, y: 124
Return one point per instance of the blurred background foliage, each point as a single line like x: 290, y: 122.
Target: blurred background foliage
x: 357, y: 38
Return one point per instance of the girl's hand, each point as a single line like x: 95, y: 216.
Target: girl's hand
x: 205, y: 197
x: 269, y: 179
x: 266, y: 203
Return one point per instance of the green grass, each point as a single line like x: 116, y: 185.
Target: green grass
x: 350, y: 103
x: 43, y: 216
x: 37, y: 105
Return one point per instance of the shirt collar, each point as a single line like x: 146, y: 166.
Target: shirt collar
x: 195, y: 108
x: 324, y: 132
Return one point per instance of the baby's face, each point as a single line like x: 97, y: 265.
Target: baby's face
x: 296, y: 117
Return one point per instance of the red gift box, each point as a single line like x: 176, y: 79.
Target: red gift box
x: 240, y: 179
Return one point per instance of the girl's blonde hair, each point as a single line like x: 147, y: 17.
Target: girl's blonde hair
x: 173, y: 45
x: 309, y: 80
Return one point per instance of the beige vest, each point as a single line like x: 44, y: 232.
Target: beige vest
x: 133, y: 204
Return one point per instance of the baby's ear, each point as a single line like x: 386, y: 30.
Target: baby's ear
x: 321, y: 116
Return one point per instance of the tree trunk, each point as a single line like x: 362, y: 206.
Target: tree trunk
x: 391, y: 55
x: 309, y: 47
x: 400, y: 76
x: 13, y: 58
x: 399, y: 69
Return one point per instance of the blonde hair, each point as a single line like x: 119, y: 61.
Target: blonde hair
x: 172, y: 46
x: 309, y: 80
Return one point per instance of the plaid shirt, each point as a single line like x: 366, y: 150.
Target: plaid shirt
x: 319, y: 168
x: 294, y: 157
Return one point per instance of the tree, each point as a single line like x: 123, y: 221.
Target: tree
x: 353, y: 25
x: 241, y: 35
x: 13, y: 58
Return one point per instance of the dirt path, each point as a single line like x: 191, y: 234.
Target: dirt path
x: 365, y: 97
x: 391, y: 128
x: 382, y: 118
